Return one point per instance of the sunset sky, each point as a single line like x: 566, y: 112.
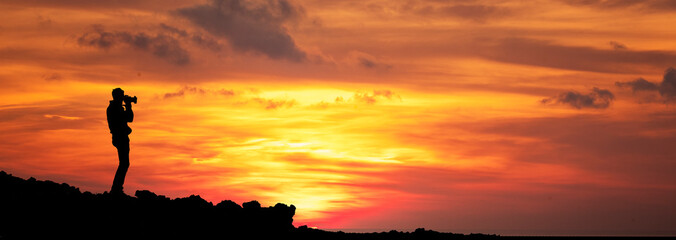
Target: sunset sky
x: 500, y: 117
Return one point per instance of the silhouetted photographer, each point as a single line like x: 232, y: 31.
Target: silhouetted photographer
x: 118, y: 117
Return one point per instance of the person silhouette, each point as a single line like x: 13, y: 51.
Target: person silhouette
x: 118, y: 115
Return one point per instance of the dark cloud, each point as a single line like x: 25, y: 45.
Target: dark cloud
x: 653, y: 5
x: 206, y: 42
x: 98, y: 38
x: 174, y: 30
x: 547, y: 54
x: 617, y: 45
x: 666, y: 89
x: 195, y: 90
x: 160, y: 45
x: 248, y: 26
x: 668, y: 85
x: 196, y: 38
x: 598, y: 98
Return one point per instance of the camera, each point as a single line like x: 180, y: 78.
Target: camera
x: 127, y: 98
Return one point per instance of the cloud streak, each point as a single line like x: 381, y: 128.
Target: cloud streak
x: 271, y: 104
x: 368, y: 61
x: 547, y: 54
x: 371, y: 98
x: 197, y: 90
x: 478, y: 13
x: 652, y: 5
x: 99, y: 5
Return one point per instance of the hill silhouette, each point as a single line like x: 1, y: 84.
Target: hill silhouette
x: 33, y: 209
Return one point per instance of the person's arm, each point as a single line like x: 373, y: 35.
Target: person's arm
x: 129, y: 113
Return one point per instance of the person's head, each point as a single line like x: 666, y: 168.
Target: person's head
x: 118, y: 94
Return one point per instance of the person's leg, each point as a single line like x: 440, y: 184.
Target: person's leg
x: 123, y: 155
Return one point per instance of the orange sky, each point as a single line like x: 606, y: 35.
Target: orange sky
x: 507, y: 117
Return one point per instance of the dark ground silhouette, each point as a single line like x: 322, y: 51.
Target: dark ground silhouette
x: 32, y: 209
